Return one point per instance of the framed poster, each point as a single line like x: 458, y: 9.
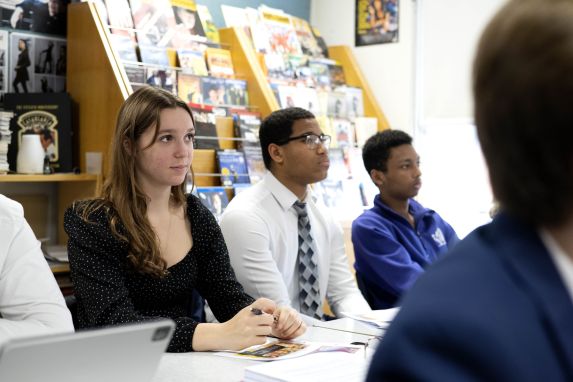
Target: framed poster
x: 376, y: 22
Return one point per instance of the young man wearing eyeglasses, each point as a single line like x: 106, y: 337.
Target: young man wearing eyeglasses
x: 261, y: 224
x: 396, y: 239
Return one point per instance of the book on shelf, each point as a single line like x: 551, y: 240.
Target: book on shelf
x: 320, y: 42
x: 306, y: 38
x: 209, y: 27
x: 219, y: 62
x: 117, y: 14
x: 320, y: 73
x: 154, y: 22
x: 336, y: 73
x: 124, y: 46
x: 255, y: 164
x: 187, y: 24
x: 162, y: 78
x: 48, y: 115
x: 214, y: 92
x: 281, y: 34
x: 236, y: 92
x: 233, y: 167
x: 154, y: 55
x: 192, y: 61
x: 189, y: 88
x: 336, y: 105
x: 214, y: 198
x: 206, y: 136
x: 247, y: 125
x: 354, y: 101
x: 135, y: 74
x: 343, y: 133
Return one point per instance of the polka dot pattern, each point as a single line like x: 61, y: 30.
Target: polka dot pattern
x: 109, y: 291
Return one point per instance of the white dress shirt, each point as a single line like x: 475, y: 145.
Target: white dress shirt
x: 261, y: 232
x: 30, y: 300
x: 561, y: 259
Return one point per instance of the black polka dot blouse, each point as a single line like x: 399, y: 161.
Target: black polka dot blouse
x: 110, y: 292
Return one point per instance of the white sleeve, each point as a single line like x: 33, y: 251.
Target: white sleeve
x: 343, y: 295
x: 248, y: 241
x: 30, y: 300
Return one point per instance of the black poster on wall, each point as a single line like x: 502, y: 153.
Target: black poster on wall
x: 48, y: 115
x: 376, y: 22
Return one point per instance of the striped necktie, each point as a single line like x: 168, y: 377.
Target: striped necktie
x: 309, y: 292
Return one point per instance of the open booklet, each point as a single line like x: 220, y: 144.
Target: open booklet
x: 379, y: 318
x: 276, y: 349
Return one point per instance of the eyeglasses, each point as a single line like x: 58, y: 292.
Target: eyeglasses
x: 311, y: 140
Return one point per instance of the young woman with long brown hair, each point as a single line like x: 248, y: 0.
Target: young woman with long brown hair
x: 139, y: 250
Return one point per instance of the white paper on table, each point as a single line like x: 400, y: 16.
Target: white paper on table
x: 380, y: 318
x: 332, y: 367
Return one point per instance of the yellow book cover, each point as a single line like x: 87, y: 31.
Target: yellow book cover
x: 219, y: 62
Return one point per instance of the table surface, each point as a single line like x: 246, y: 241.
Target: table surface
x: 207, y: 367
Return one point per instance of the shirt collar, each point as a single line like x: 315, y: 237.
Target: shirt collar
x: 282, y: 194
x: 562, y: 261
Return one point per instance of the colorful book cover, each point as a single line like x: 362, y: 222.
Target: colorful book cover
x: 214, y: 198
x: 211, y: 31
x: 281, y: 34
x: 154, y: 21
x: 189, y: 88
x: 237, y: 94
x: 306, y: 39
x: 206, y: 135
x: 336, y: 73
x: 233, y: 167
x: 117, y: 14
x: 336, y: 105
x: 48, y: 115
x: 247, y: 125
x: 165, y: 79
x: 192, y: 61
x: 124, y: 46
x: 219, y: 62
x: 187, y: 24
x: 354, y: 101
x: 154, y: 55
x: 320, y: 73
x: 214, y: 92
x: 255, y: 164
x: 135, y: 74
x: 344, y: 132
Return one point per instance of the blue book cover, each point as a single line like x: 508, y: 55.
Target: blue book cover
x: 214, y: 198
x: 233, y: 167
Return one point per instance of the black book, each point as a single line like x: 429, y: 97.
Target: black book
x: 48, y: 115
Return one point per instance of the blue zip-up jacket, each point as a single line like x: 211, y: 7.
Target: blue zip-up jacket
x: 391, y: 254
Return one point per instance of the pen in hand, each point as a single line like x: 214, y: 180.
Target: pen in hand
x: 258, y: 312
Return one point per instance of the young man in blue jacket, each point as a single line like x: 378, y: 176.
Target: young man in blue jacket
x: 396, y: 239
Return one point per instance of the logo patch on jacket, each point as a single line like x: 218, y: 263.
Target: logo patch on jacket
x: 439, y: 238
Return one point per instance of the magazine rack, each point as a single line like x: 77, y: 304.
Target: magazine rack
x: 98, y: 84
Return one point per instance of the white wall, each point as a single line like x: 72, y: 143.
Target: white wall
x: 388, y: 67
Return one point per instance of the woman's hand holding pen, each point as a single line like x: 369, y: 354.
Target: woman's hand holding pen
x: 250, y: 326
x: 288, y: 323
